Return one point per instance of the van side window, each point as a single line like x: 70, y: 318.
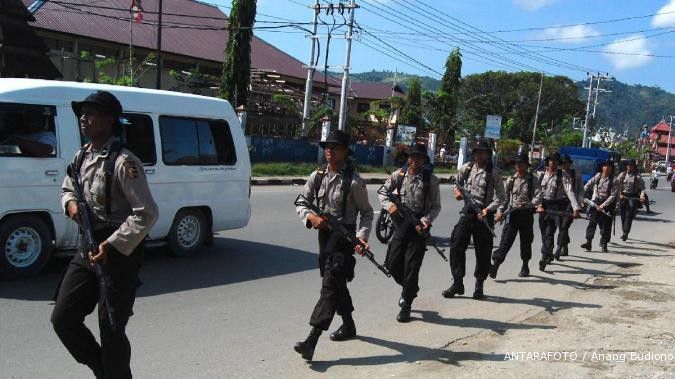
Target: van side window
x: 139, y: 137
x: 27, y: 130
x: 190, y: 141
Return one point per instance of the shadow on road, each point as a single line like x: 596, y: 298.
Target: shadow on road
x: 666, y: 245
x: 227, y: 261
x: 554, y: 281
x: 589, y: 271
x: 406, y: 353
x: 499, y: 327
x: 550, y: 305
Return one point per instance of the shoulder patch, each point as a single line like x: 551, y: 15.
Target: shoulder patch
x: 131, y: 168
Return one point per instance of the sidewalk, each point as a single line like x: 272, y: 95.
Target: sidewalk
x: 370, y: 178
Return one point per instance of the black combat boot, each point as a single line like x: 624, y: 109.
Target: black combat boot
x: 306, y: 347
x: 494, y: 268
x: 457, y: 288
x: 478, y: 291
x: 586, y: 245
x: 624, y: 237
x: 542, y: 264
x: 564, y: 252
x: 525, y: 270
x: 346, y: 331
x: 557, y: 253
x: 401, y: 302
x: 404, y: 314
x: 604, y: 248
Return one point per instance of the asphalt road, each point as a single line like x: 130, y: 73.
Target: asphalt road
x: 237, y: 308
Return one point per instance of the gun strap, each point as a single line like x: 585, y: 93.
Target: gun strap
x: 108, y: 169
x: 426, y: 179
x: 347, y: 177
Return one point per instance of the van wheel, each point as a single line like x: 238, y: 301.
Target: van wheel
x: 26, y: 246
x: 187, y: 232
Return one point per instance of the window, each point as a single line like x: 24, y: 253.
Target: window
x: 189, y: 141
x: 27, y: 130
x: 139, y: 137
x: 362, y: 107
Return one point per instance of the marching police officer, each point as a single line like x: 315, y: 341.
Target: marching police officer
x: 555, y: 186
x: 566, y: 222
x: 123, y: 211
x: 605, y: 189
x: 631, y: 188
x: 522, y: 198
x: 418, y: 189
x: 485, y: 186
x: 340, y: 191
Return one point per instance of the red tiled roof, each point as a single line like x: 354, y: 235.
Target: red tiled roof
x: 662, y: 126
x: 662, y: 151
x: 205, y: 40
x: 372, y: 91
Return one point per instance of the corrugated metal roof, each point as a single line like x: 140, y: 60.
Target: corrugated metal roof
x: 204, y: 38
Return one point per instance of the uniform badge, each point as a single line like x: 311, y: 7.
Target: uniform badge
x: 132, y: 169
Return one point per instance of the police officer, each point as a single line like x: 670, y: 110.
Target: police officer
x: 487, y: 189
x: 123, y: 211
x: 605, y: 189
x: 566, y: 222
x: 522, y: 198
x: 631, y: 186
x: 339, y: 190
x: 418, y: 189
x: 556, y: 191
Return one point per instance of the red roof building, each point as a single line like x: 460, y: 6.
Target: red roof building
x: 659, y: 141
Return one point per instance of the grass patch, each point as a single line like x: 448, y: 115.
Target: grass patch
x: 304, y: 169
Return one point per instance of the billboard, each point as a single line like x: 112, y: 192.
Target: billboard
x: 493, y: 125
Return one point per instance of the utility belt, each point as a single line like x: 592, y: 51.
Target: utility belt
x: 554, y: 203
x: 630, y: 194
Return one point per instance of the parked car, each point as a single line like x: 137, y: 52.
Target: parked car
x: 192, y: 148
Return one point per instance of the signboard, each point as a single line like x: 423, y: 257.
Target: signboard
x: 493, y: 125
x: 406, y: 134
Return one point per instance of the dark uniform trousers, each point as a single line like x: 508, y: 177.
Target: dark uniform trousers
x: 78, y: 294
x: 548, y: 225
x: 601, y: 220
x: 336, y: 264
x: 404, y: 259
x: 628, y: 209
x: 467, y: 227
x: 520, y: 222
x: 565, y: 224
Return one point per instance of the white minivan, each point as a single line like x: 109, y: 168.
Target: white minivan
x: 192, y: 147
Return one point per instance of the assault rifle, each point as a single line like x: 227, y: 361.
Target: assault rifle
x: 410, y: 219
x: 89, y: 244
x: 591, y: 204
x: 336, y: 226
x: 471, y: 204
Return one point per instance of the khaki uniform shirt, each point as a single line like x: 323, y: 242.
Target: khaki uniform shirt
x: 553, y: 188
x: 132, y: 209
x: 600, y: 186
x: 578, y: 185
x: 412, y: 194
x: 518, y: 193
x: 631, y: 183
x: 476, y: 184
x: 330, y: 200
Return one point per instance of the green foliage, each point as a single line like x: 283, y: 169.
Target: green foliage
x: 412, y: 110
x: 237, y: 66
x: 286, y: 103
x: 120, y: 74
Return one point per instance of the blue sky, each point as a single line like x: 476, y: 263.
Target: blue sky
x: 427, y: 30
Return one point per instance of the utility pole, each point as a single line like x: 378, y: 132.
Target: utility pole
x: 345, y: 77
x: 311, y: 68
x: 591, y: 115
x: 158, y: 80
x: 670, y: 130
x: 588, y: 111
x: 536, y: 115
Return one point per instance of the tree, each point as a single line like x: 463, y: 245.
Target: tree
x: 447, y: 97
x: 412, y: 110
x: 237, y: 67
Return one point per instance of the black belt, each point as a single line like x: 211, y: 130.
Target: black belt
x: 554, y: 202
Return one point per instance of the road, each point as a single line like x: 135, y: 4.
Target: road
x: 237, y: 308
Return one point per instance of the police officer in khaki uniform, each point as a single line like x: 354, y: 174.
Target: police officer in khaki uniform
x: 339, y: 190
x: 522, y: 198
x: 556, y: 192
x: 487, y: 189
x: 631, y: 190
x: 418, y: 189
x: 566, y: 222
x: 605, y: 188
x: 123, y: 211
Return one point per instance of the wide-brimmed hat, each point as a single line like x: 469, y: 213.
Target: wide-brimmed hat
x: 337, y: 137
x: 521, y: 155
x: 481, y: 144
x: 567, y: 158
x: 607, y: 162
x: 419, y: 149
x: 554, y: 156
x: 631, y: 162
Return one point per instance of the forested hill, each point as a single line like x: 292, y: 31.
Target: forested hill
x: 626, y: 105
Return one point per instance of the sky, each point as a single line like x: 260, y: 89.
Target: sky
x: 633, y: 41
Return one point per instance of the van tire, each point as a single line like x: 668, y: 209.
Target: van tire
x: 187, y: 233
x: 26, y: 246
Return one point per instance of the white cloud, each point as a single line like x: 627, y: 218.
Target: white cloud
x: 533, y: 5
x: 665, y: 17
x: 635, y: 44
x: 570, y: 34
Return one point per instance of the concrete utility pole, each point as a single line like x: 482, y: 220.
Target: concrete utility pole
x: 158, y: 78
x: 536, y: 115
x: 600, y: 77
x: 670, y: 130
x: 588, y: 111
x: 311, y: 68
x: 345, y: 77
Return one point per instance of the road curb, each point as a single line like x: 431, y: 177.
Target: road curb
x: 301, y: 181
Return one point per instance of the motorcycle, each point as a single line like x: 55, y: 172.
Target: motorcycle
x: 384, y: 228
x: 654, y: 183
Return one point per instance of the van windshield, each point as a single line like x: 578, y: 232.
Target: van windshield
x: 585, y: 165
x: 27, y: 130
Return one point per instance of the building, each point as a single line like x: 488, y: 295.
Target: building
x: 659, y: 142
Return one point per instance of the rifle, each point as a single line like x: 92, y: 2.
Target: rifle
x: 336, y: 226
x: 90, y: 244
x: 471, y: 204
x: 558, y: 213
x: 410, y: 218
x: 591, y: 204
